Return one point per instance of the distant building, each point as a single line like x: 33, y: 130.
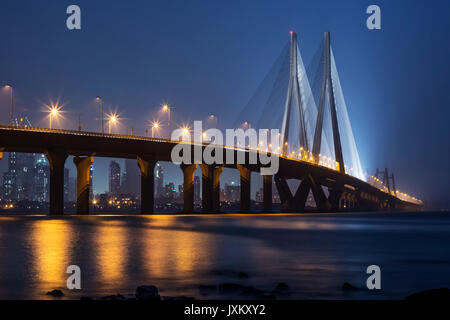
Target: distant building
x: 42, y: 179
x: 91, y: 189
x: 169, y: 191
x: 131, y: 182
x: 275, y: 194
x: 259, y: 195
x: 197, y: 196
x: 66, y: 184
x: 18, y: 180
x: 114, y: 178
x: 159, y: 180
x: 232, y: 192
x: 72, y: 196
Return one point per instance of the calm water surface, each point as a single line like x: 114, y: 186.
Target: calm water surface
x: 313, y: 253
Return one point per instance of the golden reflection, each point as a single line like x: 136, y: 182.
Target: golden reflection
x: 50, y: 243
x: 112, y: 251
x: 169, y: 251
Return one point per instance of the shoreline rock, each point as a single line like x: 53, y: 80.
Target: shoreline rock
x: 348, y: 287
x: 55, y: 293
x: 147, y: 293
x: 432, y: 295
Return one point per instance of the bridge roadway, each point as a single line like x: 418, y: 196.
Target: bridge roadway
x: 345, y: 192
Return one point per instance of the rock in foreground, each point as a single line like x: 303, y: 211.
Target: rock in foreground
x: 147, y: 293
x: 348, y: 287
x: 442, y: 294
x: 55, y: 293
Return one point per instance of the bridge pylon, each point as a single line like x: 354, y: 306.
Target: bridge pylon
x: 294, y: 95
x: 328, y: 89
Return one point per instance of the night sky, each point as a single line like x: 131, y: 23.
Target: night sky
x: 207, y: 57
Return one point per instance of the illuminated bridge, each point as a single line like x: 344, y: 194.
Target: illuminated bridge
x: 316, y: 147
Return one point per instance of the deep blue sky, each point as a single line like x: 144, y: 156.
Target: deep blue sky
x: 211, y: 55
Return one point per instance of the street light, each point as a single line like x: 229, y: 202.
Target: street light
x: 166, y: 108
x: 112, y: 119
x: 54, y: 112
x: 212, y: 116
x: 11, y: 112
x: 185, y: 131
x: 101, y: 111
x: 155, y: 126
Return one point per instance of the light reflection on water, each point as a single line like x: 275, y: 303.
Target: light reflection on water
x: 314, y: 254
x: 49, y: 241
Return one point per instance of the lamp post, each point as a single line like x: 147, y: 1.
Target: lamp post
x: 11, y: 112
x: 155, y: 126
x: 167, y: 108
x: 101, y: 111
x: 217, y: 120
x: 53, y: 113
x: 112, y: 120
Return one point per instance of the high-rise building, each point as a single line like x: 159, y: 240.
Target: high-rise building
x: 259, y: 197
x: 131, y: 183
x: 114, y: 178
x: 41, y: 179
x: 72, y: 189
x: 8, y: 185
x: 18, y: 180
x: 25, y: 175
x: 66, y: 184
x: 232, y: 192
x: 91, y: 189
x: 169, y: 191
x: 197, y: 189
x: 159, y: 181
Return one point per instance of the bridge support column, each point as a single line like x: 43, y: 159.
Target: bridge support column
x: 56, y: 159
x: 211, y: 187
x: 147, y: 166
x: 284, y: 192
x: 322, y: 202
x: 335, y: 195
x: 245, y: 187
x: 267, y: 193
x: 216, y: 188
x: 188, y: 186
x: 207, y: 188
x: 83, y: 165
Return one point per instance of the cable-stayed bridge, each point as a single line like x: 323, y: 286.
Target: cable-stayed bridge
x: 316, y: 147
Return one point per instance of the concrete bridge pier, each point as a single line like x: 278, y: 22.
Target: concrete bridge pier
x: 211, y: 187
x: 217, y: 171
x: 56, y: 159
x: 245, y: 187
x: 83, y: 165
x: 336, y: 192
x: 207, y: 181
x: 321, y: 199
x: 284, y: 192
x: 188, y: 186
x: 267, y: 193
x: 147, y: 166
